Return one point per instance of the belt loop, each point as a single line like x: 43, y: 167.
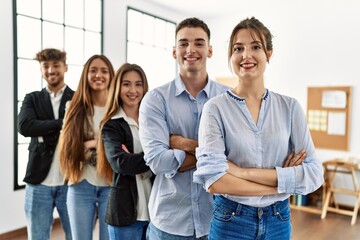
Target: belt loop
x: 238, y: 209
x: 260, y: 212
x: 274, y: 208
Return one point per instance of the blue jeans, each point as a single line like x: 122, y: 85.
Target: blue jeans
x: 232, y: 220
x: 153, y: 233
x: 135, y: 231
x: 40, y: 201
x: 86, y: 202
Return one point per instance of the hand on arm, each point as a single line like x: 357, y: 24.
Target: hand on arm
x: 188, y: 163
x: 292, y: 161
x: 144, y: 175
x: 188, y: 146
x: 124, y: 148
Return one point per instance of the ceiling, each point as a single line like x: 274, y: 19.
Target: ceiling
x: 198, y: 8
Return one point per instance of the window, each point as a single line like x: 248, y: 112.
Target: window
x: 71, y: 25
x: 149, y: 44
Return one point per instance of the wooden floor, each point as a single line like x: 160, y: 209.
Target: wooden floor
x: 309, y: 226
x: 56, y: 234
x: 306, y: 226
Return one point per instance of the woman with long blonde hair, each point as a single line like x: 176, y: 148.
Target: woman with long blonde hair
x: 87, y: 194
x: 120, y: 156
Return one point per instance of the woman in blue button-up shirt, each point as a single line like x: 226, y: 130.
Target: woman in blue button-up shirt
x: 255, y: 148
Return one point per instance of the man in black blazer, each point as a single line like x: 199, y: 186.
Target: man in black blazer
x: 41, y: 117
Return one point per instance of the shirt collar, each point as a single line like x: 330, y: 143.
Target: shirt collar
x: 52, y: 93
x: 180, y: 87
x: 232, y: 95
x: 122, y: 114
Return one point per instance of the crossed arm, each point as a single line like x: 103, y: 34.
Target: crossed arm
x: 237, y: 181
x: 188, y: 145
x: 252, y: 181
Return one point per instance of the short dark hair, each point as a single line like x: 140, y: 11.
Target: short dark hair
x: 193, y: 23
x: 51, y: 54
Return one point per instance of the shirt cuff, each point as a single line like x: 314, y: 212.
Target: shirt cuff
x: 213, y: 179
x: 286, y: 180
x: 179, y: 156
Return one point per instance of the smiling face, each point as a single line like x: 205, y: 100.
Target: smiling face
x: 249, y: 57
x: 192, y: 49
x: 98, y: 75
x: 53, y: 72
x: 131, y: 89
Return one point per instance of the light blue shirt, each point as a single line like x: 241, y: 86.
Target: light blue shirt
x: 177, y: 205
x: 228, y: 132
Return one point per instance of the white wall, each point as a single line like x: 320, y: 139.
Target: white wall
x: 11, y: 203
x: 316, y: 43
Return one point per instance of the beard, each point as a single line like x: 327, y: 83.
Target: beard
x: 56, y: 82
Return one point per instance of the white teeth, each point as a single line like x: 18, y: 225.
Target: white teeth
x: 191, y: 59
x: 247, y: 65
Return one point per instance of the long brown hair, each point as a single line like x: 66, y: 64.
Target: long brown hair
x: 71, y: 147
x: 257, y: 29
x: 112, y: 106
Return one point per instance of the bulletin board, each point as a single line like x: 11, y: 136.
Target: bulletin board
x: 328, y: 116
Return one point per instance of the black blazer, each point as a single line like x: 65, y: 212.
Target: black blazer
x: 36, y: 118
x: 122, y: 201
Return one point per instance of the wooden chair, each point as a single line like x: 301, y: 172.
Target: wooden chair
x: 340, y: 166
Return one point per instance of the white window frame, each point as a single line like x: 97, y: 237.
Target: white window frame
x: 78, y: 27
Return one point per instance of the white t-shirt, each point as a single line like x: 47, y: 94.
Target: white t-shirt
x: 89, y: 171
x: 143, y: 182
x: 54, y: 177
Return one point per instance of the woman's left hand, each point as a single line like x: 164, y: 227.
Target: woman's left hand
x: 298, y: 159
x: 124, y: 148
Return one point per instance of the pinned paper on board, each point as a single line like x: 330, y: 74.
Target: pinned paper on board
x: 317, y: 120
x: 328, y: 115
x: 337, y: 123
x: 333, y: 99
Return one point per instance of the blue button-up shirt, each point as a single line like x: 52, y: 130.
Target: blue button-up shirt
x: 177, y: 205
x: 228, y: 131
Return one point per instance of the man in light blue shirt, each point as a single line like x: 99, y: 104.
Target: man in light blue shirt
x: 168, y: 124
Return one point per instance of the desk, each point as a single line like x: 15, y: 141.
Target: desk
x: 340, y: 166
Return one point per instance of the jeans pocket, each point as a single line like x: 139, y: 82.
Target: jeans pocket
x: 283, y: 214
x: 223, y: 213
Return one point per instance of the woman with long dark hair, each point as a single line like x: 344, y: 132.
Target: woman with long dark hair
x: 121, y: 159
